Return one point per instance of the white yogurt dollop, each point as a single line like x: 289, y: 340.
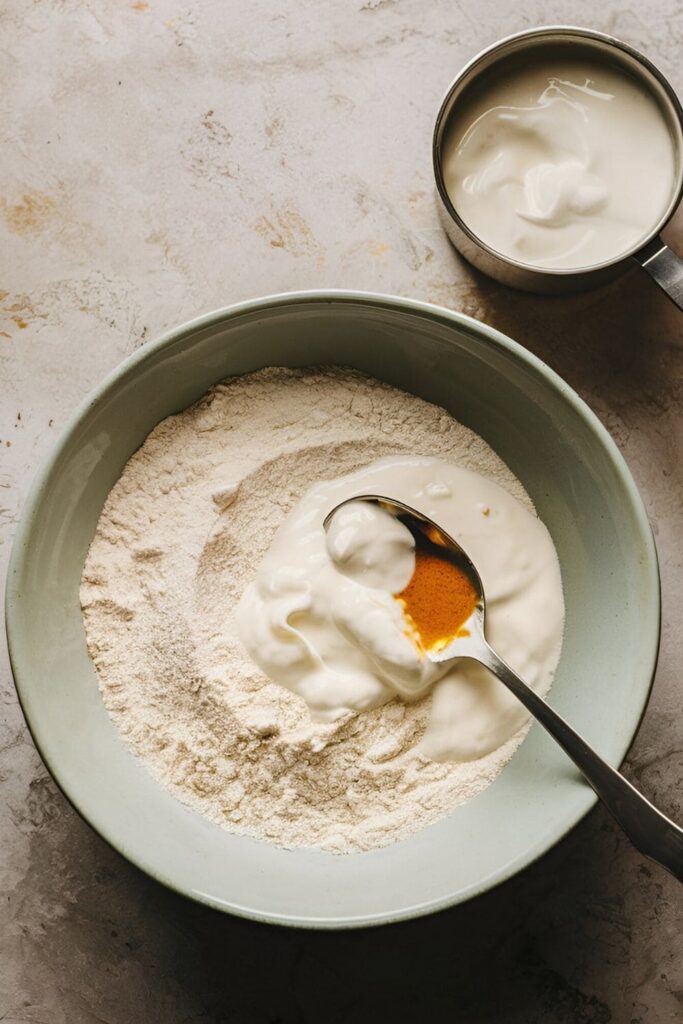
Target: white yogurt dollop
x: 559, y: 163
x: 371, y: 546
x: 321, y: 617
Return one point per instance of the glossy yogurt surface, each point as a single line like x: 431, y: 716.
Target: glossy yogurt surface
x: 559, y: 163
x: 322, y: 617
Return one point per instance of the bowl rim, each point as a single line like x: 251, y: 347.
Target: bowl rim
x: 430, y: 311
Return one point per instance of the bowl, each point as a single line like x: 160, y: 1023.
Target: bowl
x: 582, y: 490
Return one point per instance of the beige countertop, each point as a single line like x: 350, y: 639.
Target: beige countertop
x: 161, y: 159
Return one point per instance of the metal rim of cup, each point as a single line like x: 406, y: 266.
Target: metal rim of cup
x: 501, y: 49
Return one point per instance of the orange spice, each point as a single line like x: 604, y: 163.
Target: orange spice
x: 440, y: 596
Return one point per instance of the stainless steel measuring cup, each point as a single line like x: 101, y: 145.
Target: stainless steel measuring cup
x: 651, y: 252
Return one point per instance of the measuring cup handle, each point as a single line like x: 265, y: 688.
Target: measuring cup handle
x: 664, y: 267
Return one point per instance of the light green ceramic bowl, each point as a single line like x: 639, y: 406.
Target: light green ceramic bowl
x: 582, y: 490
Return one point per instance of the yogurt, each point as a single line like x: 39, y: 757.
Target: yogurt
x: 322, y: 616
x: 559, y: 163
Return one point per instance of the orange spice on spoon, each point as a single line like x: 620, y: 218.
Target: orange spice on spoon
x: 440, y: 596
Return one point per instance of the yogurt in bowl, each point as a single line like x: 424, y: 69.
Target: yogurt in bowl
x: 322, y: 616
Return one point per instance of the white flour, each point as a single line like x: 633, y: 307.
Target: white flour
x: 179, y: 538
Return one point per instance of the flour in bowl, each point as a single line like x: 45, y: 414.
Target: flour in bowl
x: 178, y: 542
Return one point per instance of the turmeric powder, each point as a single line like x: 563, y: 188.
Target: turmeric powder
x: 440, y: 596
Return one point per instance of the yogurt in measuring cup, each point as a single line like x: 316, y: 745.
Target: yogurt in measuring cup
x: 559, y: 162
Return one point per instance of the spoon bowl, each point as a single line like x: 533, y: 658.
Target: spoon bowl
x: 470, y: 635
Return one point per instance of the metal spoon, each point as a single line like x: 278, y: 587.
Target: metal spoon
x: 653, y: 834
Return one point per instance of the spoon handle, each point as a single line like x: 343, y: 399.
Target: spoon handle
x: 649, y: 830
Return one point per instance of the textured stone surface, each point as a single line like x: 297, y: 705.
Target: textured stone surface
x: 162, y: 158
